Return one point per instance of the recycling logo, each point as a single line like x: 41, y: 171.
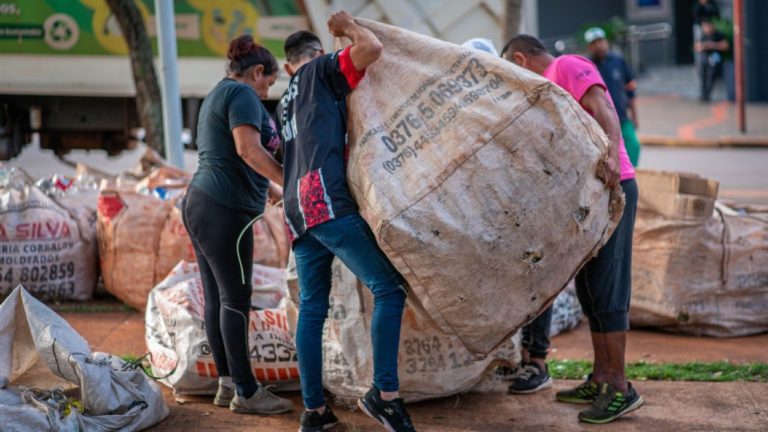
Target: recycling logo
x: 61, y: 32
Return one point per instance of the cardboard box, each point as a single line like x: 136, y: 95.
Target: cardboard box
x: 677, y: 195
x: 677, y: 183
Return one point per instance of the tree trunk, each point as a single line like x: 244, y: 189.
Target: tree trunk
x: 512, y: 11
x: 149, y: 104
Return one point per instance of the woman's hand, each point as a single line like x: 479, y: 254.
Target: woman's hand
x: 275, y: 193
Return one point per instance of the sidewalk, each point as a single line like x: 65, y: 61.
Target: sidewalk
x: 671, y: 114
x: 669, y: 405
x: 671, y: 120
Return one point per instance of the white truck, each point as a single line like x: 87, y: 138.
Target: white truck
x: 65, y: 73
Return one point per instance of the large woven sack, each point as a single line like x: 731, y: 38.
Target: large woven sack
x: 707, y: 278
x: 478, y: 180
x: 47, y: 244
x: 431, y: 363
x: 142, y: 238
x: 113, y: 394
x: 176, y: 339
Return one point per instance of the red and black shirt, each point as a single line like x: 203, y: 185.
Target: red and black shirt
x: 312, y: 117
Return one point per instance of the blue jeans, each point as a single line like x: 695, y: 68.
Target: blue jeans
x: 351, y: 239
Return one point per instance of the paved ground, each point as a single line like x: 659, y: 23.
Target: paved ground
x: 669, y: 407
x: 670, y: 113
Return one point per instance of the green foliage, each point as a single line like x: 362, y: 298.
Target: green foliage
x: 724, y: 26
x: 695, y: 371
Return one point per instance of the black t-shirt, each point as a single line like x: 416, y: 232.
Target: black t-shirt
x: 313, y: 123
x: 222, y: 174
x: 715, y: 36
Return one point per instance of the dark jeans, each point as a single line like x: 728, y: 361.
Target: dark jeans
x: 603, y: 285
x: 349, y: 238
x: 214, y: 229
x: 536, y: 335
x: 709, y: 74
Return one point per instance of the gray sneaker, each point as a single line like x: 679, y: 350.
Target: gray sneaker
x: 224, y: 395
x: 262, y: 402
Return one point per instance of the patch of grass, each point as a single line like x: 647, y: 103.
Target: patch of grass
x: 130, y: 358
x: 91, y: 307
x: 644, y: 371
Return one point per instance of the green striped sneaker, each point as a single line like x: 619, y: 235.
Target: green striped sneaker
x: 584, y: 393
x: 611, y: 405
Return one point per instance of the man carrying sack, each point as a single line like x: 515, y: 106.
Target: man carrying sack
x: 603, y: 285
x: 324, y: 221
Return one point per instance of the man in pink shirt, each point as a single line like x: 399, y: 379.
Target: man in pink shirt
x: 603, y: 285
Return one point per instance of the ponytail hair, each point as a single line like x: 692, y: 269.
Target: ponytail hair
x: 244, y: 53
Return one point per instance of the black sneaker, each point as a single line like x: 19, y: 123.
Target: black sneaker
x: 611, y: 404
x: 312, y: 421
x: 584, y: 393
x: 390, y: 414
x: 530, y: 379
x: 506, y: 373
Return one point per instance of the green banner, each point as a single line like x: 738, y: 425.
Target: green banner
x: 88, y: 27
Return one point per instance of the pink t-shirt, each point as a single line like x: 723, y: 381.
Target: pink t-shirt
x: 575, y: 74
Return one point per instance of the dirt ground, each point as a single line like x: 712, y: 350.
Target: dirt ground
x: 670, y: 406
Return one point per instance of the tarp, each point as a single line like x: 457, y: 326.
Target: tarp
x: 114, y: 397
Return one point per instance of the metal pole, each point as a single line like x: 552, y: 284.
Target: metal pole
x: 738, y: 59
x: 166, y: 38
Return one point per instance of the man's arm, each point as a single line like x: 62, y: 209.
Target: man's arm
x: 630, y: 85
x: 721, y: 45
x: 248, y: 146
x: 596, y: 101
x: 632, y: 111
x: 366, y: 47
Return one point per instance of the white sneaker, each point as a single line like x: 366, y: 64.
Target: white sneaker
x: 225, y: 393
x: 262, y: 402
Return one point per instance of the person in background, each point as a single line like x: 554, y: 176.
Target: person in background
x: 235, y: 139
x: 713, y: 47
x: 703, y: 10
x: 325, y: 223
x: 603, y: 285
x: 481, y: 44
x: 621, y: 86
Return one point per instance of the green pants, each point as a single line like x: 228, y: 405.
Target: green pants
x: 630, y: 141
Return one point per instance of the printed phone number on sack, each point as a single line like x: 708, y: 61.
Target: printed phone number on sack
x: 44, y: 273
x: 447, y: 92
x: 428, y: 355
x: 44, y: 280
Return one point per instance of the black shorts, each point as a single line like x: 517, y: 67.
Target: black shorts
x: 604, y: 284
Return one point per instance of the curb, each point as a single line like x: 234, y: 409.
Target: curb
x: 723, y: 141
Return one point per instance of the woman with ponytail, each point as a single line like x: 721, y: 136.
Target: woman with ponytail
x: 236, y: 140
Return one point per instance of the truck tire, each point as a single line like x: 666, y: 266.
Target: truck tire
x: 13, y: 135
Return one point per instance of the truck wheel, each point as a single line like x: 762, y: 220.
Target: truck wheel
x: 13, y: 136
x: 6, y: 134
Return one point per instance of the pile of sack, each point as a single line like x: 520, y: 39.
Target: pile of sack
x: 142, y: 236
x: 47, y: 236
x: 700, y: 268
